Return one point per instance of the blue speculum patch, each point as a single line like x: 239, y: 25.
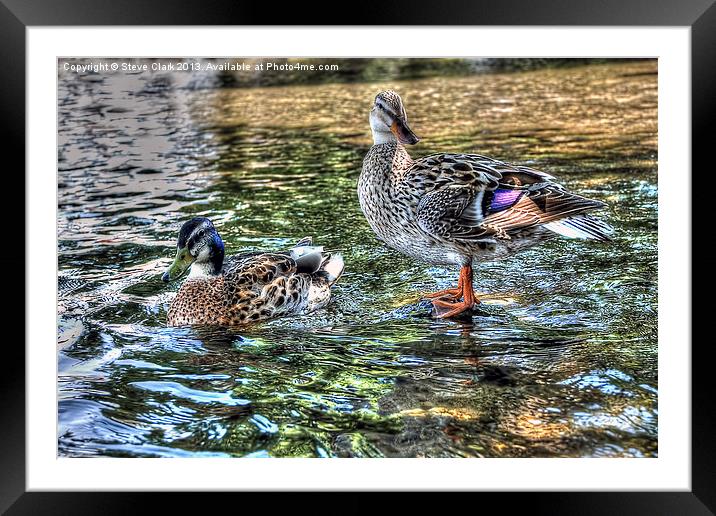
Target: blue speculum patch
x: 504, y: 198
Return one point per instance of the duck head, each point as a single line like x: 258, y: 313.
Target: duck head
x: 200, y: 248
x: 389, y: 121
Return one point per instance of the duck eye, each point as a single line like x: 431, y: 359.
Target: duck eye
x: 385, y: 110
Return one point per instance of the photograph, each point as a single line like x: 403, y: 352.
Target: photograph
x: 357, y: 257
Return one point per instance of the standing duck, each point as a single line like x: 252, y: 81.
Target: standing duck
x: 246, y: 288
x: 459, y: 209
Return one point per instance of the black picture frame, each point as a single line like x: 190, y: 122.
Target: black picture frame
x: 17, y: 15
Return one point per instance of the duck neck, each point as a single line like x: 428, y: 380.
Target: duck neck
x: 211, y: 260
x: 383, y: 137
x: 400, y: 162
x: 203, y: 270
x: 388, y: 161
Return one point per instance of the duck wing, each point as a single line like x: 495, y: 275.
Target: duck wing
x: 264, y: 285
x: 252, y: 271
x: 473, y: 197
x: 256, y: 269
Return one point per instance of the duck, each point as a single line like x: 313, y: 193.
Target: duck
x: 454, y: 209
x: 249, y: 287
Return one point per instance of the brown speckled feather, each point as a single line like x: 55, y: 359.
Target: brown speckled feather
x: 437, y: 208
x: 251, y: 288
x: 456, y: 205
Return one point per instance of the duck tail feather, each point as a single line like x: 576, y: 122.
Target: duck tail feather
x: 333, y: 265
x: 308, y: 258
x: 582, y: 226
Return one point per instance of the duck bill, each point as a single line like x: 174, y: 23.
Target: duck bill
x: 179, y: 266
x: 403, y: 133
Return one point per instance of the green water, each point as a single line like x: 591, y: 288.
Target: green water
x: 560, y: 361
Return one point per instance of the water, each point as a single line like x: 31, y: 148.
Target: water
x: 561, y: 360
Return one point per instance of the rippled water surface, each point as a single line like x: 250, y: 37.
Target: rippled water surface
x: 561, y: 359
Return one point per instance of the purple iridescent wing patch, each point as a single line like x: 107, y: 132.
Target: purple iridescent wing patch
x: 503, y: 199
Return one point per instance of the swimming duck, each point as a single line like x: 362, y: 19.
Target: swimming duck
x: 249, y: 287
x: 459, y: 209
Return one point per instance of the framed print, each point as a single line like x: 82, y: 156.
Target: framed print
x: 442, y: 258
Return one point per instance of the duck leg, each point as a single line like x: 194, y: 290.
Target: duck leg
x: 445, y: 309
x: 452, y: 293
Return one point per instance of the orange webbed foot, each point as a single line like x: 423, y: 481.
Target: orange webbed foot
x: 451, y: 293
x: 446, y: 309
x: 447, y: 303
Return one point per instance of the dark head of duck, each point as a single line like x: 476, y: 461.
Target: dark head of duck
x: 199, y: 248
